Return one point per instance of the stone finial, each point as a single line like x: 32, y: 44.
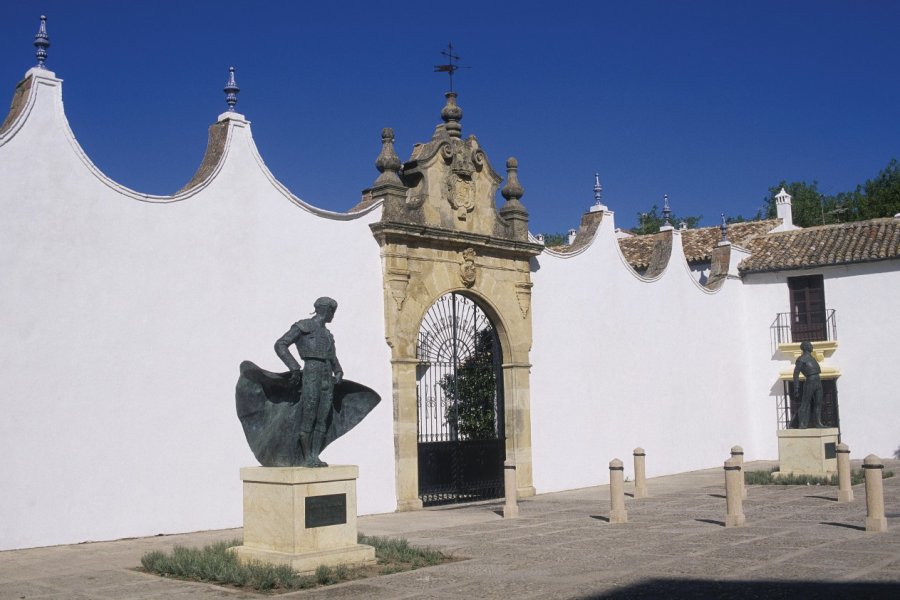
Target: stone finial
x: 513, y: 190
x: 513, y: 211
x: 231, y: 90
x: 598, y: 190
x: 724, y: 228
x: 42, y: 42
x: 452, y: 115
x: 598, y: 195
x: 667, y: 212
x: 387, y: 163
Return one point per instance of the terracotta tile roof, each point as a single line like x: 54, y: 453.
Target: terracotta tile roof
x: 698, y: 243
x: 638, y: 249
x: 861, y: 241
x: 590, y: 222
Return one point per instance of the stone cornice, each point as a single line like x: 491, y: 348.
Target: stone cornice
x: 412, y: 233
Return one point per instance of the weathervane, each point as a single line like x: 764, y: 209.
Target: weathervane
x: 450, y: 68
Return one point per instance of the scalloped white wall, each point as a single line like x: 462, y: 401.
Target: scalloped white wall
x: 124, y: 322
x: 621, y: 361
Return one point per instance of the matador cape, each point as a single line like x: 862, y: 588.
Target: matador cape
x: 269, y: 407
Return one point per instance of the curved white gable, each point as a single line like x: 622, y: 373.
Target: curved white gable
x: 127, y: 320
x: 621, y: 361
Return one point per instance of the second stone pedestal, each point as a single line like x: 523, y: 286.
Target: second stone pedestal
x: 302, y: 517
x: 807, y: 451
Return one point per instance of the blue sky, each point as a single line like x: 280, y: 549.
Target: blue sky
x: 708, y: 102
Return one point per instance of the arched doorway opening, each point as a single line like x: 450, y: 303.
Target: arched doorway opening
x: 459, y: 394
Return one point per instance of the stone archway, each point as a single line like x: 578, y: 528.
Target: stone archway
x: 441, y: 233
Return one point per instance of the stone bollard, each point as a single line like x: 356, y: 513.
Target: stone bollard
x: 737, y: 452
x: 734, y: 515
x: 640, y: 473
x: 875, y: 520
x: 617, y: 512
x: 845, y: 491
x: 511, y: 508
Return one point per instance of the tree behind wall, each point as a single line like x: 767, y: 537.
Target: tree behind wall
x: 878, y: 197
x: 471, y: 392
x: 808, y: 205
x: 652, y: 220
x: 555, y: 239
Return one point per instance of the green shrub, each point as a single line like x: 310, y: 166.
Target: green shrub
x: 215, y: 563
x: 768, y: 478
x: 394, y: 551
x: 324, y: 575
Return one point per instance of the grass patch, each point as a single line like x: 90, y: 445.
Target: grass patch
x: 216, y: 564
x: 395, y: 555
x: 768, y: 478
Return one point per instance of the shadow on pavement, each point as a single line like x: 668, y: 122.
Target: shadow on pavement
x: 792, y: 590
x: 712, y: 521
x: 848, y: 526
x: 822, y: 498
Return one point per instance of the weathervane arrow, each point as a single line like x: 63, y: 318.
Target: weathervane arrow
x: 450, y: 68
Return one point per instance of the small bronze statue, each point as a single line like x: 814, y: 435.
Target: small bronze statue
x: 812, y: 389
x: 289, y: 418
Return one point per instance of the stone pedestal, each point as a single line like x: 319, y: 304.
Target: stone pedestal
x: 301, y: 517
x: 807, y: 451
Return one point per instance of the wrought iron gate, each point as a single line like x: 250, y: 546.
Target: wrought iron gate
x: 460, y: 404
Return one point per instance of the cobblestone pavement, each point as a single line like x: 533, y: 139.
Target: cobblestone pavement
x: 799, y: 542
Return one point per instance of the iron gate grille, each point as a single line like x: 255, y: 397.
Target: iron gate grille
x: 460, y: 404
x: 790, y: 405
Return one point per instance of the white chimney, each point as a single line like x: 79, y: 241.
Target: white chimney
x: 783, y: 206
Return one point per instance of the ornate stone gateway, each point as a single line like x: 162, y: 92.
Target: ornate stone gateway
x: 460, y: 404
x: 451, y: 256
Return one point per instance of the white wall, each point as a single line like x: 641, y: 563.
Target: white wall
x: 124, y: 318
x: 124, y: 322
x: 864, y: 298
x: 621, y: 361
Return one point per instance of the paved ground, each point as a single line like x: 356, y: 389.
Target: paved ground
x: 799, y: 542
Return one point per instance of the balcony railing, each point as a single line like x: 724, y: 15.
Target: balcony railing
x: 793, y: 328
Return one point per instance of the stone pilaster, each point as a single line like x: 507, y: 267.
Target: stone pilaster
x: 406, y: 434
